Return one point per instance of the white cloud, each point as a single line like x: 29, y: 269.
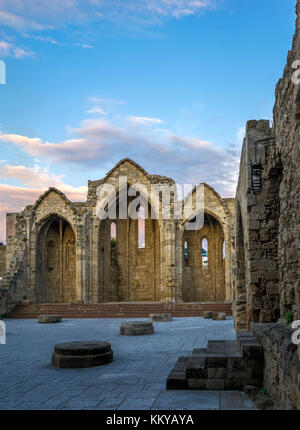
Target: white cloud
x: 96, y: 110
x: 17, y: 22
x: 10, y: 50
x: 143, y: 120
x: 83, y: 45
x: 38, y: 15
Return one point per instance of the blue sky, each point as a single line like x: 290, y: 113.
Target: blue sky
x: 168, y: 83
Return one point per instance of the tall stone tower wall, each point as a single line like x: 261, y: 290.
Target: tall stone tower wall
x: 267, y: 264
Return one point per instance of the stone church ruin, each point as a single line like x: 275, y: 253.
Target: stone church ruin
x: 245, y: 256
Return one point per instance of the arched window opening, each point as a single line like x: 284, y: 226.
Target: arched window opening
x: 141, y: 227
x: 223, y: 250
x: 113, y: 235
x: 51, y: 255
x: 204, y: 253
x: 186, y: 253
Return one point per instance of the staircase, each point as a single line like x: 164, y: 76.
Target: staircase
x: 223, y: 365
x: 118, y: 310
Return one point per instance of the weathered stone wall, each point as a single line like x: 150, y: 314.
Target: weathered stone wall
x: 282, y: 365
x: 267, y: 264
x: 2, y: 259
x: 267, y: 239
x: 256, y: 268
x: 287, y: 151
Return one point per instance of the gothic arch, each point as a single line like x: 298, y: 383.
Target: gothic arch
x: 56, y: 261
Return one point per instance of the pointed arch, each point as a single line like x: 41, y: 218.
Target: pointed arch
x: 56, y: 261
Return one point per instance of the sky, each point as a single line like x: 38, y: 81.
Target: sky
x: 167, y: 83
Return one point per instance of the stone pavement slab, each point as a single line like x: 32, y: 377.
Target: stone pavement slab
x: 134, y: 380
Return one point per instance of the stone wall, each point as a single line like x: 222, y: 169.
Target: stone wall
x: 256, y: 269
x: 266, y: 272
x: 282, y: 365
x: 268, y: 222
x: 2, y: 259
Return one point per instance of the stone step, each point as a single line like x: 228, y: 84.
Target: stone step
x: 117, y: 310
x: 176, y: 379
x: 223, y: 365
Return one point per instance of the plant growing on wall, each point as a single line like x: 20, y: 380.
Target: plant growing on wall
x: 289, y: 318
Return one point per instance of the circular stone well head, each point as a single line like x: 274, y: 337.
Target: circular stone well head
x: 79, y: 354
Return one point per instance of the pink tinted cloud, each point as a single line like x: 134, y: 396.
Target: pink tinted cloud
x: 188, y: 159
x: 14, y: 199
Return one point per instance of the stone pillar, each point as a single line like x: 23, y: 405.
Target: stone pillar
x: 81, y: 272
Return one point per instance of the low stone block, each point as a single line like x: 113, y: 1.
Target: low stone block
x: 215, y: 361
x: 160, y: 317
x: 196, y: 384
x: 207, y: 314
x: 245, y: 374
x: 215, y: 384
x: 238, y: 384
x: 45, y: 319
x: 136, y: 328
x: 81, y: 354
x: 176, y: 382
x: 216, y: 373
x: 252, y: 351
x: 219, y: 316
x: 81, y: 361
x: 195, y: 368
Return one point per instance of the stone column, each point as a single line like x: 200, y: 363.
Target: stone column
x: 168, y: 256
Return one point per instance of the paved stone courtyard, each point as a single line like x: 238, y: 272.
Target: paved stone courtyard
x: 135, y: 380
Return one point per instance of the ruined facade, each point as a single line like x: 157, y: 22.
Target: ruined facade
x: 266, y: 281
x: 247, y: 251
x: 62, y: 252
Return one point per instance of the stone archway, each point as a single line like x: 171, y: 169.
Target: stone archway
x: 203, y: 263
x: 127, y: 271
x: 56, y: 261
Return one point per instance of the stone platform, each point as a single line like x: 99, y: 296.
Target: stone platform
x: 223, y: 365
x: 78, y: 354
x: 136, y: 328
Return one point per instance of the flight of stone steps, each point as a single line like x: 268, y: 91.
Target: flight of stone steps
x: 223, y: 365
x: 118, y: 310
